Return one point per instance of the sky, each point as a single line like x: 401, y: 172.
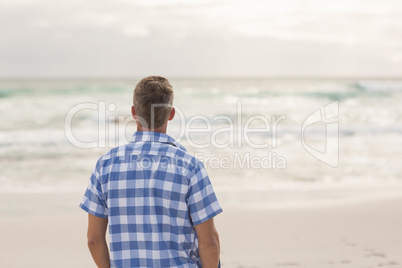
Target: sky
x: 264, y: 38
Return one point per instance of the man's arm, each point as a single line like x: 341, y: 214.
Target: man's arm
x: 97, y: 242
x: 208, y: 244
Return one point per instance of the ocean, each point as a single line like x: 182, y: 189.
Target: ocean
x: 253, y: 135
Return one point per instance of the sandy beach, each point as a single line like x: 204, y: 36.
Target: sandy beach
x: 357, y: 234
x: 361, y: 234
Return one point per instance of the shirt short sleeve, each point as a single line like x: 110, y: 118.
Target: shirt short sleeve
x: 93, y: 201
x: 202, y: 202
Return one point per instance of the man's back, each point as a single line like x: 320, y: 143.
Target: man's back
x: 153, y: 193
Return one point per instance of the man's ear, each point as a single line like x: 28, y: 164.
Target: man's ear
x: 172, y: 113
x: 133, y: 113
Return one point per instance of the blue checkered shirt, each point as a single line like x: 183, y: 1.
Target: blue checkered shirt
x: 153, y: 193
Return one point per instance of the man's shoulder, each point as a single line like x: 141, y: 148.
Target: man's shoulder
x: 178, y: 153
x: 192, y: 163
x: 119, y: 151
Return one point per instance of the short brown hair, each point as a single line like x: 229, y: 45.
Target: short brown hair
x: 153, y: 100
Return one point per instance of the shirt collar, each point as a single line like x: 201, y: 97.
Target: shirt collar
x: 153, y: 136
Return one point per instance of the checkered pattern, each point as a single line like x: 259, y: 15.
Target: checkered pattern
x: 153, y: 193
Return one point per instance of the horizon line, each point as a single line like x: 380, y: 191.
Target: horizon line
x: 243, y: 77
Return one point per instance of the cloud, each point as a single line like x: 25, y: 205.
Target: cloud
x: 396, y: 57
x: 135, y: 30
x: 222, y: 37
x: 101, y: 19
x: 346, y: 23
x: 41, y: 23
x: 284, y: 34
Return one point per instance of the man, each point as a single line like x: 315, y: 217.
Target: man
x: 156, y: 198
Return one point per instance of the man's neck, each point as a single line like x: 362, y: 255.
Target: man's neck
x: 161, y: 129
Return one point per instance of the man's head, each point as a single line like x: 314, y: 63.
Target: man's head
x: 153, y: 100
